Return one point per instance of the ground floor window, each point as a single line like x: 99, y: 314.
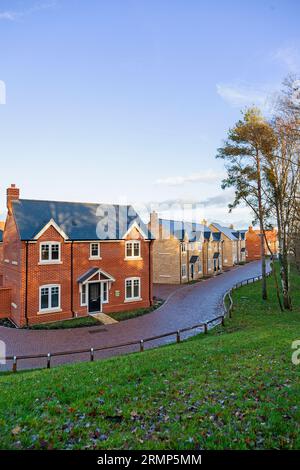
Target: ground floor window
x: 133, y: 288
x: 183, y: 270
x: 49, y: 297
x: 199, y: 267
x: 83, y: 297
x: 104, y: 292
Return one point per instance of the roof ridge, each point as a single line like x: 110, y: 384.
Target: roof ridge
x: 73, y: 202
x: 184, y: 222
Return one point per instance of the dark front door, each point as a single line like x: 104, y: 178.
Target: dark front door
x: 192, y: 271
x: 94, y: 297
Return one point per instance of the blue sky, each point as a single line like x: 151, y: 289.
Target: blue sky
x: 127, y: 101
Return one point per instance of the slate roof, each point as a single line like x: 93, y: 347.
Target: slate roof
x: 228, y: 232
x: 87, y: 275
x: 79, y: 221
x: 216, y: 236
x: 193, y: 259
x: 179, y: 229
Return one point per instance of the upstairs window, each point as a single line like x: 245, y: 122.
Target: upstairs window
x: 95, y: 250
x: 183, y: 248
x: 50, y: 252
x: 133, y: 249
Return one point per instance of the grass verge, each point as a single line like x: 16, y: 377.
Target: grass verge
x: 90, y: 320
x: 235, y: 388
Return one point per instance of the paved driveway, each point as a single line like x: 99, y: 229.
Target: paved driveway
x: 186, y: 306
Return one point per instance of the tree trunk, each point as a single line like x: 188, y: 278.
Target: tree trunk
x: 283, y: 260
x: 284, y: 273
x: 274, y: 272
x: 263, y: 264
x: 262, y: 232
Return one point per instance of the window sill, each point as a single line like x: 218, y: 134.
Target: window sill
x: 133, y: 258
x: 133, y: 300
x: 41, y: 263
x: 50, y: 310
x: 94, y: 258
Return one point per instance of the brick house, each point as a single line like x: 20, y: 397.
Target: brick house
x: 253, y: 243
x: 62, y: 260
x: 1, y: 252
x: 183, y: 251
x: 234, y: 244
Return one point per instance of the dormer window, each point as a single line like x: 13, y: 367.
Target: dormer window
x: 50, y: 252
x: 95, y: 250
x: 133, y: 249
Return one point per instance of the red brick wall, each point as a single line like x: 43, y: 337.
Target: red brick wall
x: 5, y: 302
x: 112, y: 261
x: 12, y: 267
x: 253, y: 243
x: 1, y: 264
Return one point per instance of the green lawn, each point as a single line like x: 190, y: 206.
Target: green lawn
x: 233, y: 388
x: 61, y: 325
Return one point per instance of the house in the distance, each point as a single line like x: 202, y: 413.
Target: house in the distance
x: 233, y: 246
x: 253, y: 247
x: 183, y: 251
x: 2, y: 224
x: 62, y: 260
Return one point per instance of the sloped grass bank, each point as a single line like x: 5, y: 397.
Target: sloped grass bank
x: 234, y: 388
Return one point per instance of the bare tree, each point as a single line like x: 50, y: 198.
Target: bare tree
x: 283, y: 175
x: 249, y: 142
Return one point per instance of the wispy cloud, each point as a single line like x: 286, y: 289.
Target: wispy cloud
x: 237, y: 95
x: 289, y: 57
x: 9, y: 15
x: 208, y: 176
x: 15, y: 15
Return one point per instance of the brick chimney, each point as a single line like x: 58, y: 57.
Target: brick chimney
x: 12, y: 194
x: 154, y: 224
x: 231, y: 226
x: 203, y: 222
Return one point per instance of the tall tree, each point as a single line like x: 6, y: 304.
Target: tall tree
x: 247, y: 144
x: 282, y: 171
x: 283, y: 176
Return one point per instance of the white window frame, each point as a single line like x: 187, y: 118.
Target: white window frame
x: 102, y: 290
x: 83, y: 304
x: 132, y: 279
x: 50, y: 260
x: 50, y: 309
x: 183, y: 248
x: 183, y: 275
x: 98, y: 256
x: 132, y: 242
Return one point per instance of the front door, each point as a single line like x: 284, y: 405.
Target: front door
x: 192, y: 271
x: 94, y: 297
